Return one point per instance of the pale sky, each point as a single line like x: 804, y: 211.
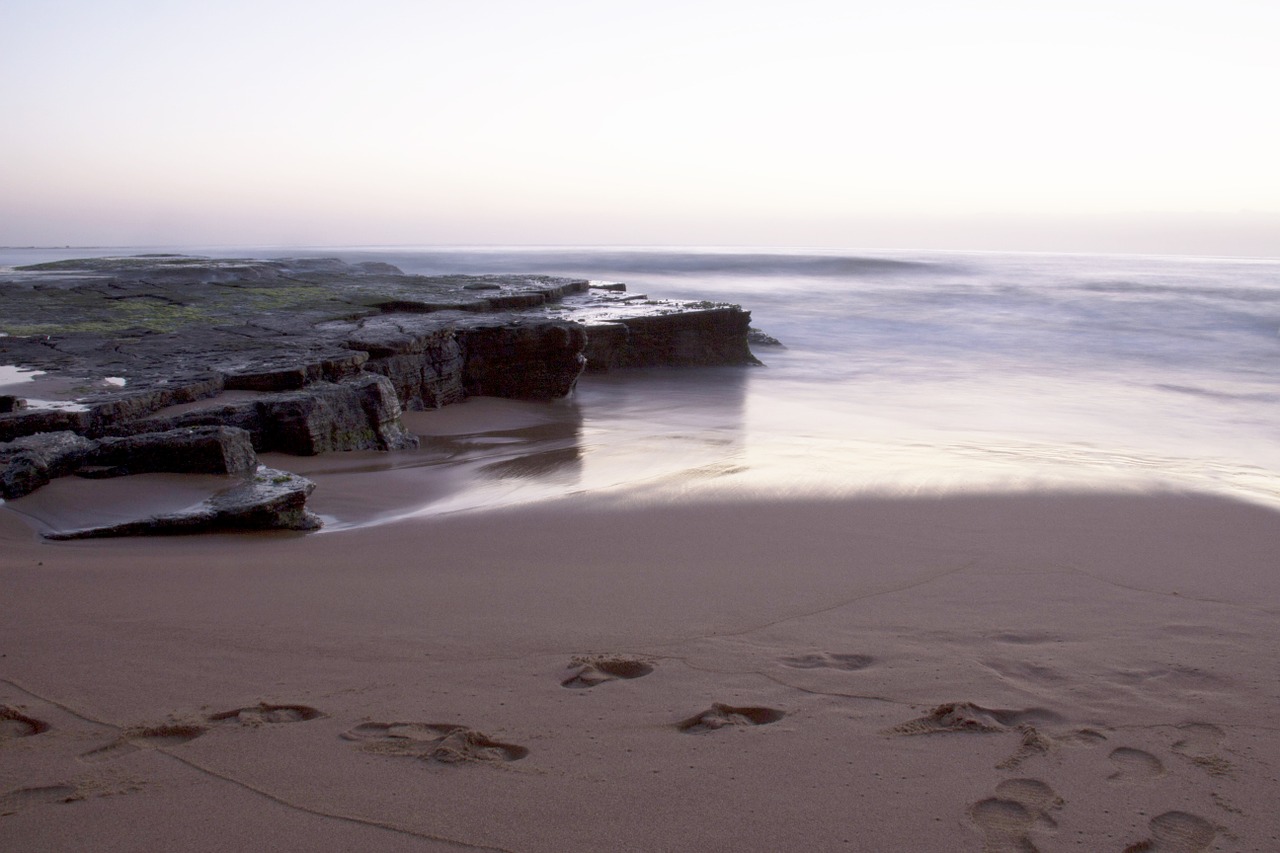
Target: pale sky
x: 1123, y: 125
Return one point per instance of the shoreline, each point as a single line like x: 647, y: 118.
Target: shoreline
x: 1112, y: 657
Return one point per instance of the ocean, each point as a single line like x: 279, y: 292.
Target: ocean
x: 899, y: 373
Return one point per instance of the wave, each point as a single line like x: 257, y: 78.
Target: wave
x: 651, y: 262
x: 1228, y: 290
x: 1256, y: 397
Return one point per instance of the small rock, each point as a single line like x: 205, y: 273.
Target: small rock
x: 269, y: 500
x: 193, y: 450
x: 30, y: 462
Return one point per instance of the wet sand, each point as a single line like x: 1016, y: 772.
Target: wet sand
x: 973, y: 673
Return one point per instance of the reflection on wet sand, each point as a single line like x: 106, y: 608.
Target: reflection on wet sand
x: 664, y: 427
x: 551, y: 448
x: 652, y: 427
x: 565, y: 463
x: 71, y: 503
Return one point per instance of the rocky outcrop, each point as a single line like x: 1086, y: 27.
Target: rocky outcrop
x: 172, y: 329
x: 270, y: 500
x: 171, y: 363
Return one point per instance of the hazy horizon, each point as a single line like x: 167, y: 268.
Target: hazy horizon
x: 1141, y: 127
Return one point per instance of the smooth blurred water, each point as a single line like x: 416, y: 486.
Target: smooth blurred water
x: 901, y: 373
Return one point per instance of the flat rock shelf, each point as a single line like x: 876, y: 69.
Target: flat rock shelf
x: 171, y: 363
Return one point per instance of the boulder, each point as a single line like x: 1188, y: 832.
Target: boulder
x: 189, y: 450
x: 30, y: 462
x: 359, y: 414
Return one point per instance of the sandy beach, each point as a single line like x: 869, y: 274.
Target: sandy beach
x: 1013, y: 672
x: 613, y: 428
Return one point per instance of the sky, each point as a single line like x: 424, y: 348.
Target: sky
x: 1117, y: 126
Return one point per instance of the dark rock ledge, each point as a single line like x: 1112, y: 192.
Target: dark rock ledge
x: 181, y: 364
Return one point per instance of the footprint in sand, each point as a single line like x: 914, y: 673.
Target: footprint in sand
x: 968, y: 717
x: 828, y: 660
x: 15, y: 724
x: 1134, y: 765
x: 590, y: 670
x: 1176, y: 832
x: 13, y: 801
x: 720, y: 716
x: 1035, y: 742
x: 261, y: 714
x: 1200, y: 743
x: 146, y: 737
x: 436, y: 743
x: 1083, y: 737
x: 1020, y: 807
x: 1026, y: 638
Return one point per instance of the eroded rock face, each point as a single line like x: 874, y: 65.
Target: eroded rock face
x: 528, y: 361
x: 420, y: 354
x: 704, y: 337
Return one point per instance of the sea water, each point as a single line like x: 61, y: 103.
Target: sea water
x: 929, y: 372
x: 900, y: 373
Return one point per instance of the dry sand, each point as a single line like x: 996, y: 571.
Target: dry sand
x: 978, y: 673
